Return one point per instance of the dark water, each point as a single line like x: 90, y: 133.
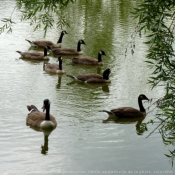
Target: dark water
x: 81, y: 143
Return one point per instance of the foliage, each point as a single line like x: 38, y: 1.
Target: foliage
x: 41, y: 13
x: 156, y: 19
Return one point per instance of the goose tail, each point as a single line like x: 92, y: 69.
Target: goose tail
x: 29, y: 41
x: 109, y: 112
x: 71, y: 76
x: 18, y: 51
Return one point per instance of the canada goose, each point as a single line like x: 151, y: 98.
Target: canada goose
x: 93, y: 78
x: 44, y: 43
x: 89, y: 60
x: 54, y: 68
x: 68, y: 51
x: 39, y: 119
x: 129, y: 112
x: 34, y: 55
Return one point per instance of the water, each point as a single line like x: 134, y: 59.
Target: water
x: 82, y: 143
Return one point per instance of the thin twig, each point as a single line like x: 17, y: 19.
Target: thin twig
x: 156, y: 128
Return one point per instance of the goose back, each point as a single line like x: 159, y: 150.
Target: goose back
x: 68, y: 51
x: 35, y: 119
x: 34, y: 55
x: 128, y: 112
x: 44, y: 43
x: 54, y: 68
x: 86, y: 60
x: 93, y: 78
x: 89, y: 60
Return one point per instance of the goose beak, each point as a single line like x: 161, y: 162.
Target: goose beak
x: 43, y: 108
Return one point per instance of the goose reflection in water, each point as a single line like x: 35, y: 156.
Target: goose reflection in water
x: 46, y: 133
x: 59, y: 81
x: 140, y: 127
x: 104, y: 86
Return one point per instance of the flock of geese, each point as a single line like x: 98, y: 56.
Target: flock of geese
x: 45, y: 120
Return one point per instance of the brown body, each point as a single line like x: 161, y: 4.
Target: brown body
x: 127, y: 112
x: 86, y: 60
x: 89, y: 60
x: 54, y: 68
x: 93, y: 78
x: 44, y: 43
x: 34, y: 55
x: 68, y: 51
x: 35, y: 118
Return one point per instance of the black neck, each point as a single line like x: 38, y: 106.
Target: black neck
x: 47, y: 113
x: 99, y: 57
x: 45, y: 147
x: 142, y: 109
x: 60, y: 64
x: 78, y: 47
x: 60, y: 38
x: 45, y: 52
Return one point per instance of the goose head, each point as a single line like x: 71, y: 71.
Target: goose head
x: 101, y: 52
x: 142, y: 97
x: 64, y: 32
x: 81, y: 41
x: 46, y: 104
x: 106, y: 74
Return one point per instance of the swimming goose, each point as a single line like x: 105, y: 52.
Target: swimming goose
x: 54, y: 68
x: 39, y: 119
x: 93, y: 78
x: 44, y: 43
x: 34, y: 55
x: 89, y: 60
x: 129, y: 112
x: 68, y: 51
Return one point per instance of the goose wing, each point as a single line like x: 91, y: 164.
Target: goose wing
x: 127, y: 112
x: 43, y: 43
x: 86, y: 77
x: 64, y: 51
x: 35, y: 118
x: 85, y: 60
x: 32, y: 108
x: 52, y: 66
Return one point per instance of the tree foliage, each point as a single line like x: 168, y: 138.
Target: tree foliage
x: 40, y: 13
x: 156, y: 20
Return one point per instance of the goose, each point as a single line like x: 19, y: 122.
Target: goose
x: 39, y: 119
x: 93, y: 78
x: 89, y: 60
x: 34, y: 55
x: 44, y: 43
x: 55, y: 68
x: 68, y: 51
x: 129, y: 112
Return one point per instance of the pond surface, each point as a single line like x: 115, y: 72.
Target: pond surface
x: 81, y: 143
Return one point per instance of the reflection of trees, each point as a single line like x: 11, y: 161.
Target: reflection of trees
x: 167, y: 131
x: 158, y: 20
x: 101, y: 17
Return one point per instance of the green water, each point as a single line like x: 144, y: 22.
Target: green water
x: 81, y: 143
